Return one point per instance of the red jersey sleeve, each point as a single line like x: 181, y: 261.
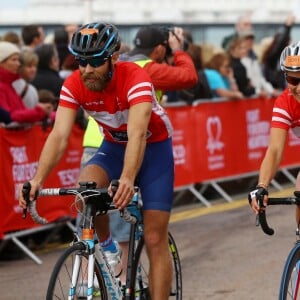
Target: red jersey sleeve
x: 70, y: 91
x: 283, y: 111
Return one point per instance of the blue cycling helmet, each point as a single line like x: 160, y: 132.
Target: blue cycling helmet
x: 95, y: 40
x: 290, y: 58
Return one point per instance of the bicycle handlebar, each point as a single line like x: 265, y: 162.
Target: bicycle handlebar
x: 86, y: 189
x: 262, y: 218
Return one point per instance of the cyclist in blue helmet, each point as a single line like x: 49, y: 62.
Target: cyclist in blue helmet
x: 96, y: 43
x: 137, y: 143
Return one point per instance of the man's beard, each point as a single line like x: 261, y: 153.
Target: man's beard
x: 100, y: 83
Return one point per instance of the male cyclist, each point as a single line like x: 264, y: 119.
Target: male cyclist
x: 137, y: 140
x: 286, y: 115
x: 151, y: 46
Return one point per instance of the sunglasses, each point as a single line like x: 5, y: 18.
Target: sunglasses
x: 93, y: 62
x: 292, y: 80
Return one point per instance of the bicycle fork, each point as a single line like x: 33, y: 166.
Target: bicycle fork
x: 80, y: 265
x: 75, y: 274
x: 90, y: 277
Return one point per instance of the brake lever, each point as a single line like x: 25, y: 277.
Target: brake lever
x: 25, y: 192
x: 262, y: 219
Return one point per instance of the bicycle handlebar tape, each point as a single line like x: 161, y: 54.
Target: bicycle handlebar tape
x: 31, y: 205
x: 34, y: 214
x: 260, y: 193
x: 25, y: 192
x: 263, y: 223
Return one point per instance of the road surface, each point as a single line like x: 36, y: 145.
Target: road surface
x: 223, y: 255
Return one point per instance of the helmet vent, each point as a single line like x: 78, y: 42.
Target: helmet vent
x: 95, y: 40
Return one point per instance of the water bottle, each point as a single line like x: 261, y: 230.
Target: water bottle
x: 113, y: 255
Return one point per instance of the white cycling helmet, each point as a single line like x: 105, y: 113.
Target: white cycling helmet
x: 290, y: 58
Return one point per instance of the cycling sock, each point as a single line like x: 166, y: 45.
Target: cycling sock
x: 108, y: 244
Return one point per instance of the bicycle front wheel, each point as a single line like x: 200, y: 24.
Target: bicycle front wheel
x: 289, y: 287
x: 140, y: 272
x: 60, y: 284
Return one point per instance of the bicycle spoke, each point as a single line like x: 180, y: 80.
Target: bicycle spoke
x: 66, y: 271
x: 142, y: 271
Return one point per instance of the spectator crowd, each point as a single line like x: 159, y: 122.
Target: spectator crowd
x: 33, y: 68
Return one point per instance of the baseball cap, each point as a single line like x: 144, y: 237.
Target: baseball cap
x: 149, y: 37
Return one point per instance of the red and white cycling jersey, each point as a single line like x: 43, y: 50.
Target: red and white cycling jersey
x: 286, y: 113
x: 130, y: 85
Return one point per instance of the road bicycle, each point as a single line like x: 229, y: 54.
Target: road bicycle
x: 290, y: 279
x: 82, y: 271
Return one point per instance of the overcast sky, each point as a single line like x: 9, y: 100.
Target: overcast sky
x: 13, y: 4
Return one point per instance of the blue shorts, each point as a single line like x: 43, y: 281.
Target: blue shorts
x: 155, y: 178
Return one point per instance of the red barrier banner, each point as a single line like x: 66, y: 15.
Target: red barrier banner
x: 20, y: 150
x: 233, y: 137
x: 214, y: 140
x: 211, y: 141
x: 184, y: 135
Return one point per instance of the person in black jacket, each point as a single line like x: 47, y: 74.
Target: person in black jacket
x: 47, y: 76
x: 237, y: 50
x: 201, y: 90
x: 270, y: 57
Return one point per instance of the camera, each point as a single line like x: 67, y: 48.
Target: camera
x: 166, y: 30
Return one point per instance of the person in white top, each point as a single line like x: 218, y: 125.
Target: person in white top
x: 27, y: 71
x: 263, y: 88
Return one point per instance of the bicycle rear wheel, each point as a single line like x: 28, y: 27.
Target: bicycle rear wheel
x: 140, y: 272
x: 290, y: 280
x: 60, y: 284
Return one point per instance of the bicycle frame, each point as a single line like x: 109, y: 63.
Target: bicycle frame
x: 136, y: 231
x: 87, y: 258
x: 95, y: 255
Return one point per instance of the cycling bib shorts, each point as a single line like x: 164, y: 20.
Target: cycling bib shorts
x: 156, y: 175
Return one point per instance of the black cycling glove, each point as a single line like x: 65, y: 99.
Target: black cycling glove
x: 257, y: 194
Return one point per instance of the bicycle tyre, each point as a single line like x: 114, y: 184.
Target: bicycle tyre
x: 60, y: 280
x: 290, y: 280
x: 139, y: 279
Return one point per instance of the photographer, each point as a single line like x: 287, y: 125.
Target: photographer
x: 152, y: 46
